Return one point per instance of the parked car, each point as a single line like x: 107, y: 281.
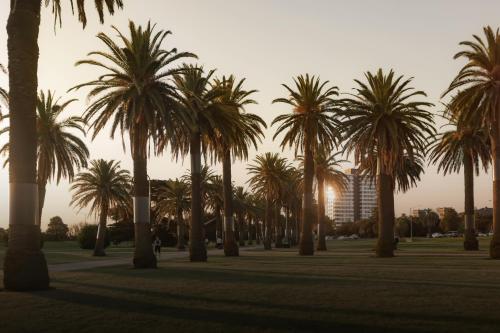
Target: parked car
x: 482, y: 234
x: 437, y: 235
x: 354, y: 236
x: 452, y: 234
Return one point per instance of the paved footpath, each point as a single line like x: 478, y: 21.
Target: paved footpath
x: 90, y: 264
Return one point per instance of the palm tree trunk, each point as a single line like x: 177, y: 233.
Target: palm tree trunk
x: 241, y: 230
x: 385, y: 203
x: 268, y: 224
x: 25, y: 267
x: 197, y: 248
x: 470, y: 241
x: 495, y: 143
x: 42, y: 186
x: 250, y: 230
x: 101, y: 232
x: 277, y: 226
x: 230, y: 246
x: 306, y: 244
x: 218, y: 228
x: 257, y: 232
x: 321, y: 214
x: 143, y: 254
x: 180, y: 231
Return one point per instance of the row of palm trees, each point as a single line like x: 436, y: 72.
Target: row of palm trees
x: 145, y: 92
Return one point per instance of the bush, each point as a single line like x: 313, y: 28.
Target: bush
x: 87, y: 236
x: 57, y: 230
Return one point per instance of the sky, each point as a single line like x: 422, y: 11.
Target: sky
x: 268, y: 42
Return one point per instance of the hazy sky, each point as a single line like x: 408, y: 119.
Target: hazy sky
x: 268, y: 42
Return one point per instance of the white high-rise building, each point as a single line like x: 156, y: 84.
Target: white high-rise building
x: 357, y: 202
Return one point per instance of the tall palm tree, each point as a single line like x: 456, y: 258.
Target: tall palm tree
x: 468, y: 146
x: 327, y: 172
x: 204, y: 117
x: 311, y: 125
x: 382, y: 117
x: 247, y: 132
x: 267, y: 175
x: 135, y: 96
x: 25, y: 267
x: 241, y: 203
x: 215, y: 200
x: 103, y: 187
x: 477, y: 99
x: 173, y: 199
x: 59, y: 151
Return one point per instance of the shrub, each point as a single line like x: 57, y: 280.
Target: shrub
x: 87, y: 236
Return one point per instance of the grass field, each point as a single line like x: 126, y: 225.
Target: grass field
x: 431, y: 286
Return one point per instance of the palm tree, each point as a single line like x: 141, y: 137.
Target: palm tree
x: 267, y: 175
x: 103, y: 187
x: 241, y: 203
x: 468, y: 146
x: 204, y: 117
x: 25, y: 267
x: 382, y: 117
x: 215, y: 200
x: 477, y: 99
x: 247, y: 132
x: 327, y: 171
x: 134, y: 95
x: 311, y: 125
x: 173, y: 199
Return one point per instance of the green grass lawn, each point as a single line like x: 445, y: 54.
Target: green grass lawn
x: 431, y: 286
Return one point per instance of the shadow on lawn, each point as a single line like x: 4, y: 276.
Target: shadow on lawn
x: 241, y: 320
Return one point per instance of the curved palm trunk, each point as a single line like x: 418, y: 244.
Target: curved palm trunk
x: 42, y: 189
x: 143, y: 254
x: 321, y: 214
x: 230, y: 246
x: 495, y: 143
x: 470, y: 241
x: 306, y: 244
x: 25, y: 267
x: 181, y: 246
x: 385, y: 203
x: 268, y: 224
x: 101, y: 232
x: 197, y: 248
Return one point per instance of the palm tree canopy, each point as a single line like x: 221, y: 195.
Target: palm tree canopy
x: 249, y: 127
x: 173, y: 196
x: 199, y: 101
x: 104, y: 183
x: 268, y: 174
x: 135, y: 91
x: 328, y: 167
x: 382, y: 116
x: 100, y: 5
x: 314, y: 112
x: 449, y: 148
x: 59, y: 150
x: 479, y: 79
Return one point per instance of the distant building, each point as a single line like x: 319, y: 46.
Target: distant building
x: 416, y: 212
x: 443, y: 210
x: 485, y: 212
x: 357, y: 202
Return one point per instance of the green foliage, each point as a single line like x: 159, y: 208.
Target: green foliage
x: 87, y: 237
x: 121, y: 231
x: 451, y: 221
x: 57, y: 230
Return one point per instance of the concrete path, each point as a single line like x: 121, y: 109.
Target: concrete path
x: 90, y: 264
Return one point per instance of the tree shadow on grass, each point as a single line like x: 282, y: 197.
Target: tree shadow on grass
x: 233, y: 319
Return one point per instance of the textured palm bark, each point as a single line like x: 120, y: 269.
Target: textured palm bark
x: 101, y: 233
x: 25, y: 267
x: 268, y: 224
x: 230, y: 246
x: 143, y: 253
x: 470, y: 240
x: 495, y: 142
x: 385, y: 200
x: 306, y: 243
x: 321, y: 214
x: 181, y: 245
x: 197, y: 248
